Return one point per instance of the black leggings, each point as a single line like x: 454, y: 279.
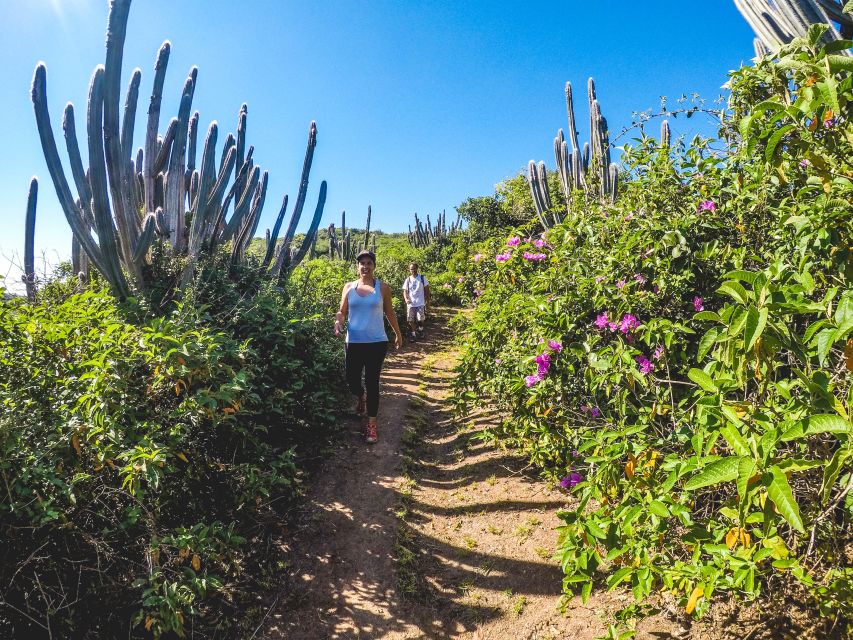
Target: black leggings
x: 367, y: 357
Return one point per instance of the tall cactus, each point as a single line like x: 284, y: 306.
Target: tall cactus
x: 129, y: 201
x: 29, y: 241
x: 777, y: 22
x: 425, y: 234
x: 588, y: 170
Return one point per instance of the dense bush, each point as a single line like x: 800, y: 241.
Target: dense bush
x: 138, y: 449
x: 680, y: 359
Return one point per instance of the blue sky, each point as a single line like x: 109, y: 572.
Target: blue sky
x: 419, y: 105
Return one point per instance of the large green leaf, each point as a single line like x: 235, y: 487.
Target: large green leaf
x: 831, y: 472
x: 779, y: 491
x: 707, y: 342
x: 745, y: 470
x: 828, y: 423
x: 825, y: 340
x: 735, y: 440
x: 756, y: 320
x: 774, y: 141
x: 703, y: 380
x: 735, y: 290
x: 722, y: 470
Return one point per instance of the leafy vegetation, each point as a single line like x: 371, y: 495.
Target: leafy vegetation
x: 680, y: 359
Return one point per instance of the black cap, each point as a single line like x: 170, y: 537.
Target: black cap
x: 366, y: 254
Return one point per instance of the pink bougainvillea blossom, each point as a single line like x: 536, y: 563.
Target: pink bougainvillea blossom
x: 805, y: 162
x: 612, y: 325
x: 503, y: 257
x: 540, y: 243
x: 571, y: 480
x: 461, y: 278
x: 498, y: 360
x: 447, y: 285
x: 599, y: 279
x: 629, y: 323
x: 697, y: 304
x: 620, y: 284
x: 601, y: 320
x: 629, y: 216
x: 555, y: 345
x: 646, y: 365
x: 640, y: 278
x: 478, y: 257
x: 708, y: 205
x: 478, y: 292
x: 658, y: 354
x: 534, y: 257
x: 531, y: 380
x: 513, y: 241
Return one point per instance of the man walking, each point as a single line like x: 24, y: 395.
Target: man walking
x: 416, y: 294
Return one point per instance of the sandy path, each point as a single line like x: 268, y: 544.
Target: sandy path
x: 458, y: 546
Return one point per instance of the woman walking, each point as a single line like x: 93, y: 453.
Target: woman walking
x: 365, y: 302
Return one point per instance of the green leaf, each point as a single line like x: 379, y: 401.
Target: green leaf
x: 735, y: 440
x: 707, y: 315
x: 779, y: 491
x: 744, y: 276
x: 659, y: 509
x: 722, y: 470
x: 831, y: 472
x: 735, y: 290
x: 794, y: 465
x: 828, y: 423
x: 756, y: 320
x: 707, y: 342
x: 840, y: 64
x: 838, y: 45
x: 619, y: 577
x: 825, y: 340
x: 703, y: 380
x: 774, y: 141
x: 745, y: 470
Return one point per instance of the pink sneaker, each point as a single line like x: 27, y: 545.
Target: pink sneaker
x: 370, y: 433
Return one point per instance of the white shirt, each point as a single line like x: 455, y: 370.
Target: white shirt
x: 415, y: 286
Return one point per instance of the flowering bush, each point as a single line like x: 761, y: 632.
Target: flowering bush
x: 699, y: 411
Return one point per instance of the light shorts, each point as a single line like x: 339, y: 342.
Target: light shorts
x: 415, y: 314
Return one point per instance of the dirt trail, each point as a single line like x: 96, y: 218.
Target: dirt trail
x: 430, y: 533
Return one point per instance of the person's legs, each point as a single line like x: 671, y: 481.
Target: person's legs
x: 412, y: 317
x: 372, y: 368
x: 354, y: 365
x: 421, y: 319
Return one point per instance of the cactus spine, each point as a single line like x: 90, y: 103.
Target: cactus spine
x: 131, y: 201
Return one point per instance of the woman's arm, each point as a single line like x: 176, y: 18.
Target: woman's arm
x: 343, y: 311
x: 388, y: 307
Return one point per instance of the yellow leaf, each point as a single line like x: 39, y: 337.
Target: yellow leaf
x: 182, y: 456
x: 697, y: 593
x: 731, y: 538
x: 745, y: 539
x: 177, y: 389
x: 75, y: 442
x: 196, y: 562
x: 184, y: 552
x: 630, y: 466
x: 149, y: 621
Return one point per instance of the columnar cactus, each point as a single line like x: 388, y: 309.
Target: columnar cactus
x: 588, y: 171
x: 425, y: 234
x: 29, y: 241
x: 777, y: 22
x: 129, y: 200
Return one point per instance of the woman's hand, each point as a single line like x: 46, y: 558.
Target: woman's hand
x: 398, y: 341
x: 337, y: 327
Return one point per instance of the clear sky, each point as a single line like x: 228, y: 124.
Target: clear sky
x: 418, y: 105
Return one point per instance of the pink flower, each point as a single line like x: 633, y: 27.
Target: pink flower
x: 503, y: 257
x: 805, y: 162
x: 534, y: 256
x: 539, y: 244
x: 461, y: 278
x: 697, y: 304
x: 612, y: 325
x: 708, y: 205
x: 556, y: 346
x: 447, y: 285
x: 640, y: 278
x: 531, y: 380
x: 498, y: 360
x: 595, y: 412
x: 620, y: 284
x: 601, y: 320
x: 646, y: 366
x: 513, y: 241
x: 599, y: 279
x: 629, y: 323
x: 571, y: 480
x: 658, y: 354
x: 478, y: 257
x: 478, y: 292
x: 628, y: 217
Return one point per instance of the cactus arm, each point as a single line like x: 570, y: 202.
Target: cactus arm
x: 129, y: 119
x: 192, y: 143
x: 217, y: 206
x: 274, y: 235
x: 175, y: 191
x: 202, y: 184
x: 126, y: 220
x: 241, y: 208
x: 614, y: 181
x: 99, y: 183
x: 145, y: 238
x: 241, y: 134
x: 315, y: 223
x: 54, y: 166
x: 164, y: 148
x: 29, y: 241
x: 76, y: 162
x: 367, y: 226
x: 257, y: 208
x: 148, y: 173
